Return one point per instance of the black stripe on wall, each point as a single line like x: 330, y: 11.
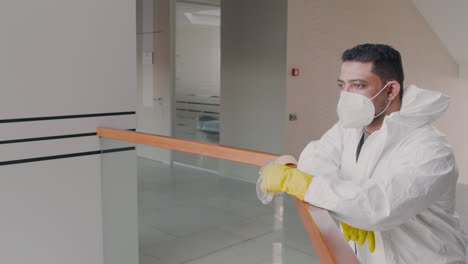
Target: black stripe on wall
x: 29, y: 119
x: 46, y: 138
x: 64, y: 156
x: 21, y: 140
x: 197, y: 103
x: 197, y: 111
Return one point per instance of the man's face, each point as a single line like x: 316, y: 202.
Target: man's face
x: 357, y: 77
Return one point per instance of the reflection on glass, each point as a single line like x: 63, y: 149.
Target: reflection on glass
x: 197, y: 76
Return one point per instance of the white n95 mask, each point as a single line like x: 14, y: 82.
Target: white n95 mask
x: 356, y: 110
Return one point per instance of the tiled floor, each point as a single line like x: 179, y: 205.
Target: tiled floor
x: 193, y: 216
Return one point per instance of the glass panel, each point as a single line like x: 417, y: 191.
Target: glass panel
x: 197, y: 70
x: 119, y: 202
x: 188, y: 214
x: 197, y: 76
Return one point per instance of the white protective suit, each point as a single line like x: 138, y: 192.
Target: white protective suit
x: 402, y: 187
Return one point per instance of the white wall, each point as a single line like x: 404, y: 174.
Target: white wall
x: 61, y: 58
x: 454, y: 124
x: 253, y: 59
x: 448, y: 20
x: 253, y: 46
x: 463, y: 70
x: 319, y: 31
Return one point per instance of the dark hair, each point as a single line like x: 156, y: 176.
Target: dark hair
x: 386, y: 61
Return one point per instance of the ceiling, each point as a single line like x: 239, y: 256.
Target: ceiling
x: 449, y: 20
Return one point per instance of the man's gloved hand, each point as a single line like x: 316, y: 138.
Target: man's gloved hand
x: 281, y: 178
x: 359, y: 236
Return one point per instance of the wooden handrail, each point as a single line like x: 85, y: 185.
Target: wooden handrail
x: 210, y: 150
x: 324, y: 235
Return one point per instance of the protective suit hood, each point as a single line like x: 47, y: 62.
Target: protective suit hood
x: 420, y: 107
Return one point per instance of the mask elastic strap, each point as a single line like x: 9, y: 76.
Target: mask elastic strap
x: 379, y: 91
x: 382, y: 110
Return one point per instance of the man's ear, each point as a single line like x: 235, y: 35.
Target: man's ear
x: 394, y: 89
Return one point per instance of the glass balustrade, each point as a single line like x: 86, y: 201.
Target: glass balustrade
x: 175, y: 212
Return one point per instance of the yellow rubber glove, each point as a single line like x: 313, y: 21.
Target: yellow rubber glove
x: 281, y: 178
x: 359, y: 236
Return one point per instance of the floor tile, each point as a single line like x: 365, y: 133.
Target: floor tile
x: 191, y: 247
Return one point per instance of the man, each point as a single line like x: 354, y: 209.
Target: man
x: 383, y: 170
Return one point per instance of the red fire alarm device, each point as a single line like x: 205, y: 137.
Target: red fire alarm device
x: 295, y: 72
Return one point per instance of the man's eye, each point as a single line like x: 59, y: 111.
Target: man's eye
x: 358, y: 86
x: 340, y: 85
